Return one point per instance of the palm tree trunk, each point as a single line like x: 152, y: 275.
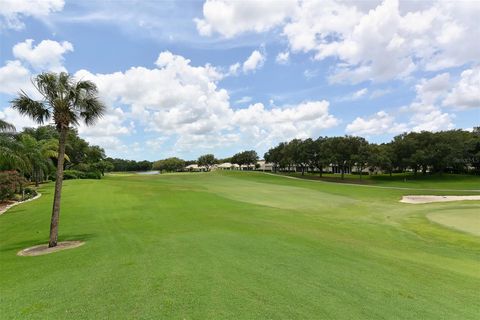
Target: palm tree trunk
x: 58, y: 189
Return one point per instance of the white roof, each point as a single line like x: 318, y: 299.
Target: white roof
x: 225, y: 165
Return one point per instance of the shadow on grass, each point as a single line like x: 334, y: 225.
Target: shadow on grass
x: 29, y: 243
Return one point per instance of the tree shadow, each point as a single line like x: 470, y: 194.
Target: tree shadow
x: 29, y: 243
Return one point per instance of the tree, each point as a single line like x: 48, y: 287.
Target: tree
x: 361, y: 155
x: 305, y: 155
x: 169, y: 164
x: 321, y: 156
x: 207, y: 160
x: 381, y: 156
x: 39, y: 155
x: 275, y: 156
x: 246, y: 158
x: 67, y: 102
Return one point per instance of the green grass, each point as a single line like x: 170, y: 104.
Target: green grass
x: 401, y: 180
x: 239, y: 246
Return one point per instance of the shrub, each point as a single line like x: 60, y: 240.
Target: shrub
x: 75, y: 174
x: 93, y: 175
x: 11, y: 182
x: 71, y: 174
x: 29, y: 193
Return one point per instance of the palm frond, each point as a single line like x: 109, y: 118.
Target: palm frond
x: 29, y: 107
x: 6, y: 127
x: 92, y: 109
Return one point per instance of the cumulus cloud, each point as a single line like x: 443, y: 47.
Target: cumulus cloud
x: 424, y: 113
x: 371, y: 41
x: 429, y: 117
x: 46, y: 56
x: 230, y: 18
x: 266, y: 126
x: 254, y: 61
x: 184, y: 103
x: 109, y: 128
x: 12, y: 11
x: 14, y: 77
x: 378, y: 124
x: 466, y: 93
x: 430, y: 90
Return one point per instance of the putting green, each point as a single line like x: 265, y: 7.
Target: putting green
x: 467, y: 219
x: 238, y: 245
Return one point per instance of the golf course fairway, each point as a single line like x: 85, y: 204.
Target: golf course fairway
x: 241, y: 246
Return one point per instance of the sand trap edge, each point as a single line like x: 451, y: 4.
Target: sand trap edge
x: 433, y: 199
x: 43, y: 249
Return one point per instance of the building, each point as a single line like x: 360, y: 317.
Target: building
x: 195, y: 168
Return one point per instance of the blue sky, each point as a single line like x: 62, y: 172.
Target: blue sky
x: 192, y: 77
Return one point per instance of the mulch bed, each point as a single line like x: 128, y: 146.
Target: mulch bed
x: 44, y: 249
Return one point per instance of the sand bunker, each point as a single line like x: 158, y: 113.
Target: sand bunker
x: 430, y: 199
x: 44, y: 249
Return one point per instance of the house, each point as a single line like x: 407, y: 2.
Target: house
x: 262, y: 165
x: 195, y: 168
x: 227, y: 166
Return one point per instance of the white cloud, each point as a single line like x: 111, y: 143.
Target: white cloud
x: 283, y: 57
x: 233, y: 69
x: 12, y: 116
x: 378, y: 124
x: 175, y: 99
x: 108, y: 129
x: 429, y: 118
x: 11, y: 11
x: 245, y: 99
x: 230, y: 18
x: 268, y: 126
x: 466, y: 93
x: 370, y: 40
x: 429, y: 91
x: 254, y: 61
x: 183, y: 103
x: 14, y: 77
x: 361, y: 93
x: 46, y: 56
x: 424, y: 113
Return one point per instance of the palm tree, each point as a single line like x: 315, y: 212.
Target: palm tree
x: 67, y: 102
x: 6, y: 127
x: 39, y: 154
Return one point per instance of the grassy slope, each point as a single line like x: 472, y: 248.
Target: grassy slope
x: 237, y: 246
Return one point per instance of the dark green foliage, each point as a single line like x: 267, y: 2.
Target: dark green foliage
x: 129, y: 165
x: 169, y: 165
x: 33, y: 153
x: 453, y: 151
x: 245, y: 158
x: 207, y: 160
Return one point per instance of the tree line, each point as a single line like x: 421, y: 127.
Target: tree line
x: 174, y: 164
x: 453, y: 151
